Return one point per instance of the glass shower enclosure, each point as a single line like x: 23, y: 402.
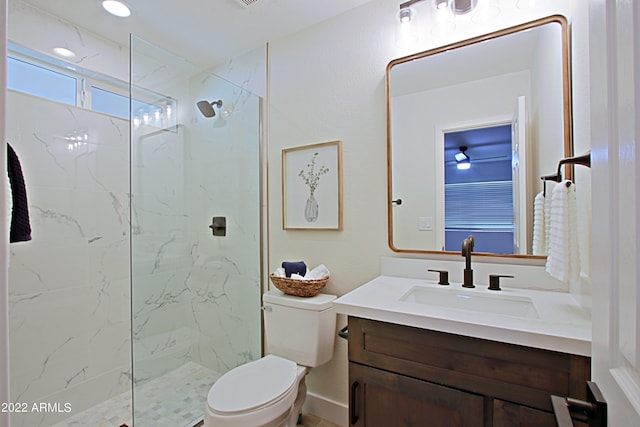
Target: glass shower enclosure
x: 126, y: 306
x: 195, y: 234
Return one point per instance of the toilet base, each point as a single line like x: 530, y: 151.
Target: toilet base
x: 287, y: 419
x: 296, y: 409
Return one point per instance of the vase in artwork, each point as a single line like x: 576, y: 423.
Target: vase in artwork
x: 311, y: 209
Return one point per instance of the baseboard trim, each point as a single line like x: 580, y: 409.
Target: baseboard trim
x: 330, y: 410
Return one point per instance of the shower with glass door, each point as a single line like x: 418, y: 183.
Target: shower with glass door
x: 142, y: 283
x: 195, y: 284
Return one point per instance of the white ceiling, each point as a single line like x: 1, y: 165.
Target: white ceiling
x: 206, y: 32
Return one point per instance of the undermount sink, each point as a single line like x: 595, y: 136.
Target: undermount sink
x: 508, y: 305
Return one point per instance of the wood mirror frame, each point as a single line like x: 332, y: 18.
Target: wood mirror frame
x: 392, y: 200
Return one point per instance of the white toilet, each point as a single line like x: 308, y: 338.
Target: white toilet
x: 270, y: 391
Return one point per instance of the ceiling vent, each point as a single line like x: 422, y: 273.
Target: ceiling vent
x: 246, y: 3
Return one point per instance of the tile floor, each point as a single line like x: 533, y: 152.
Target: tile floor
x: 172, y: 400
x: 309, y: 420
x: 175, y: 399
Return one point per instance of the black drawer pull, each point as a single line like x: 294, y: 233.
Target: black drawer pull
x: 353, y: 411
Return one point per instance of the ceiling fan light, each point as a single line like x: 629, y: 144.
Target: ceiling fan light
x: 464, y: 164
x: 461, y: 156
x: 463, y: 161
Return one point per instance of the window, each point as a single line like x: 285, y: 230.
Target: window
x: 479, y: 205
x: 40, y: 75
x: 483, y: 209
x: 108, y: 102
x: 26, y: 77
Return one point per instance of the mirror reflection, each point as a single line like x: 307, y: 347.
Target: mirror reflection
x: 472, y: 127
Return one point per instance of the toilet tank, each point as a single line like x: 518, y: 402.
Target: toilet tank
x: 301, y: 329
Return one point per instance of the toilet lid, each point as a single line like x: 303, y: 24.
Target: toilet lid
x: 252, y: 385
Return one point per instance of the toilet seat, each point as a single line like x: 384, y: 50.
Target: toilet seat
x: 253, y: 386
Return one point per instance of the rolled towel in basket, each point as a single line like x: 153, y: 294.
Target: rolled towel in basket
x: 319, y: 272
x: 298, y: 267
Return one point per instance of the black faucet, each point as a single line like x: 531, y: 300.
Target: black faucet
x: 467, y: 248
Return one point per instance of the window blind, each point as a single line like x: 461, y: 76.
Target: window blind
x: 479, y: 205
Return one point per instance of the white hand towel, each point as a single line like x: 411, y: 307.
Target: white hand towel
x: 539, y: 226
x: 563, y: 259
x: 319, y: 272
x: 547, y: 222
x: 279, y: 272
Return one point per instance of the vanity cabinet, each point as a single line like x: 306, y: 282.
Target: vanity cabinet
x: 406, y: 376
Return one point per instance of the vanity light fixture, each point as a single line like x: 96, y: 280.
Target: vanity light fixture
x: 117, y: 8
x: 442, y: 12
x: 405, y: 15
x: 461, y: 7
x: 457, y: 7
x: 462, y: 159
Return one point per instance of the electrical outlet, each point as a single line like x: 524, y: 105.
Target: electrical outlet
x: 425, y: 223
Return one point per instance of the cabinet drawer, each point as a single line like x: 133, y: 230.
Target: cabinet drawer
x: 514, y: 373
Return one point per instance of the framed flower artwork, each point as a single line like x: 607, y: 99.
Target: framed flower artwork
x: 312, y: 187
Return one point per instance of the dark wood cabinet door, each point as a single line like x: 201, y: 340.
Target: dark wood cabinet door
x: 383, y: 399
x: 507, y: 414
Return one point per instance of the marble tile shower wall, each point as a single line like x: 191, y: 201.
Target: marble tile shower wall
x: 224, y: 174
x: 69, y: 286
x: 161, y: 329
x: 196, y: 297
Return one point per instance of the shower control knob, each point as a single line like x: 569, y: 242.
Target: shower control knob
x: 219, y: 225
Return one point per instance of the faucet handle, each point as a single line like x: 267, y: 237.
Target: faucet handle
x: 444, y: 277
x: 494, y: 281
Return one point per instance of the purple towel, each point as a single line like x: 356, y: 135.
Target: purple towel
x: 298, y: 267
x: 20, y: 227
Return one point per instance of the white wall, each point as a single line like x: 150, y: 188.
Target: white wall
x: 327, y: 83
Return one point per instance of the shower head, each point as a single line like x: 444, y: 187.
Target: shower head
x: 206, y: 107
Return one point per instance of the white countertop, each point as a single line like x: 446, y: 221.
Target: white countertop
x: 562, y: 324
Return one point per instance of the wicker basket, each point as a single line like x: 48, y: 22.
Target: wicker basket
x: 297, y: 287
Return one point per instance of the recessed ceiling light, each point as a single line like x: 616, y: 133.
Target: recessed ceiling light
x: 64, y: 52
x: 116, y: 8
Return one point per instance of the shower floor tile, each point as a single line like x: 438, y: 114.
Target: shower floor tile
x: 176, y: 399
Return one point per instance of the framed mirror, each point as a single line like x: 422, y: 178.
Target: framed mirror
x: 471, y: 129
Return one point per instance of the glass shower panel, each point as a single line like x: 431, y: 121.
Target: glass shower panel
x: 195, y: 295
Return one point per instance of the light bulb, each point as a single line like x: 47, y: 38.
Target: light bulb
x: 117, y: 8
x: 64, y: 52
x: 405, y: 15
x: 406, y: 31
